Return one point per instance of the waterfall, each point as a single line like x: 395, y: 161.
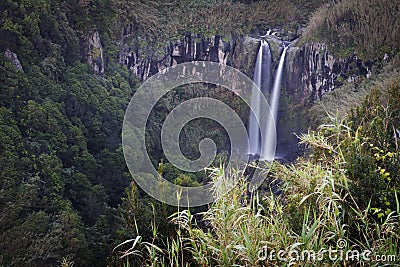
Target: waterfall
x: 269, y: 145
x: 262, y: 80
x: 265, y: 149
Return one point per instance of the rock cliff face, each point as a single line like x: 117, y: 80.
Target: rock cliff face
x: 92, y: 50
x: 312, y: 71
x: 145, y: 60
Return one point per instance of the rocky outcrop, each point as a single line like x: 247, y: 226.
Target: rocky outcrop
x: 312, y: 71
x: 92, y: 51
x: 144, y: 59
x: 14, y: 59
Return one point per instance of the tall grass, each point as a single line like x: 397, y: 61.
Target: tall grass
x: 316, y: 210
x: 368, y: 27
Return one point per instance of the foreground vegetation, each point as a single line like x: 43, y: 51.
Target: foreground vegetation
x: 346, y: 189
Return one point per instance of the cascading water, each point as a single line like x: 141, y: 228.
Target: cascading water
x: 265, y: 149
x: 269, y: 144
x: 262, y: 80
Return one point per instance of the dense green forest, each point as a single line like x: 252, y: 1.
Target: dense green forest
x: 66, y: 195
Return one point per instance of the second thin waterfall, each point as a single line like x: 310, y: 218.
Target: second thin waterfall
x: 269, y: 144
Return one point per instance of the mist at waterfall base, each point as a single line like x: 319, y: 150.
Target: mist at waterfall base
x: 261, y: 128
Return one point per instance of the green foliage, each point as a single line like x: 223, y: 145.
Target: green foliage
x: 62, y: 171
x: 370, y: 149
x: 185, y: 180
x: 194, y: 131
x: 156, y: 22
x: 306, y: 8
x: 317, y: 211
x: 373, y: 156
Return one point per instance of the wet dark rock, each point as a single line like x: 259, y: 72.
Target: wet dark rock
x: 312, y: 71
